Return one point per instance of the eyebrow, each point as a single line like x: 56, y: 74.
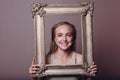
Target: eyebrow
x: 66, y: 33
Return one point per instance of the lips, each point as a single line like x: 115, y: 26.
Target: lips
x: 64, y: 43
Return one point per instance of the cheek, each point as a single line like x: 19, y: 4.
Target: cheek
x: 57, y: 39
x: 70, y: 39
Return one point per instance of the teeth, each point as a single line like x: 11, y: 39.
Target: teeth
x: 64, y: 44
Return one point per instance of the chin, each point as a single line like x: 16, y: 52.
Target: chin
x: 65, y: 48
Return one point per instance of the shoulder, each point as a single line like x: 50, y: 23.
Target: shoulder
x: 79, y: 58
x: 48, y: 58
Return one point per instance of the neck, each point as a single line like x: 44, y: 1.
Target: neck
x: 63, y: 56
x: 62, y: 53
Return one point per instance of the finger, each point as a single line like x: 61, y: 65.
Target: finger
x: 94, y: 69
x: 93, y: 66
x: 33, y: 61
x: 93, y: 62
x: 35, y: 66
x: 93, y: 72
x: 33, y: 70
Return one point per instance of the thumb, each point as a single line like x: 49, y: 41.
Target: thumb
x: 33, y: 61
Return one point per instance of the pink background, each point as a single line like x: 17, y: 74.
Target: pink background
x: 17, y: 45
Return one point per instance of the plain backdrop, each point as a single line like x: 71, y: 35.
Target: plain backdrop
x: 17, y: 43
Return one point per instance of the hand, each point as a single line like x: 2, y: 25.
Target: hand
x: 93, y: 69
x: 33, y: 69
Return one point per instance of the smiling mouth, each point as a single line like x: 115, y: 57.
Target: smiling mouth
x: 64, y: 44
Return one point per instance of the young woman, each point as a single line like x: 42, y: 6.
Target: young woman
x: 62, y: 49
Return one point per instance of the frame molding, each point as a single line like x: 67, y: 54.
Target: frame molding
x: 39, y: 10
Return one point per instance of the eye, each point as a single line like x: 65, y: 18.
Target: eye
x: 59, y: 35
x: 70, y: 35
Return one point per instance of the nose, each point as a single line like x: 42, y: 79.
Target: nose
x: 64, y: 38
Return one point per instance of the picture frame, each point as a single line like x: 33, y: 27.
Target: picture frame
x: 85, y: 10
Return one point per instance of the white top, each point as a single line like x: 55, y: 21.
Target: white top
x: 71, y: 61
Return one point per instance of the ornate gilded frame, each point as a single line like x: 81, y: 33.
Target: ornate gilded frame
x: 85, y: 10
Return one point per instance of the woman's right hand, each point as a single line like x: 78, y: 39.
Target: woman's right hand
x: 33, y: 69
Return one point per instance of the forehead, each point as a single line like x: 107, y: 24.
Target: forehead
x: 63, y: 28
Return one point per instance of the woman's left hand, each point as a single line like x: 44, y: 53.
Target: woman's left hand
x: 93, y: 69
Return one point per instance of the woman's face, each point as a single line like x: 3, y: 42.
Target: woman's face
x: 63, y: 37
